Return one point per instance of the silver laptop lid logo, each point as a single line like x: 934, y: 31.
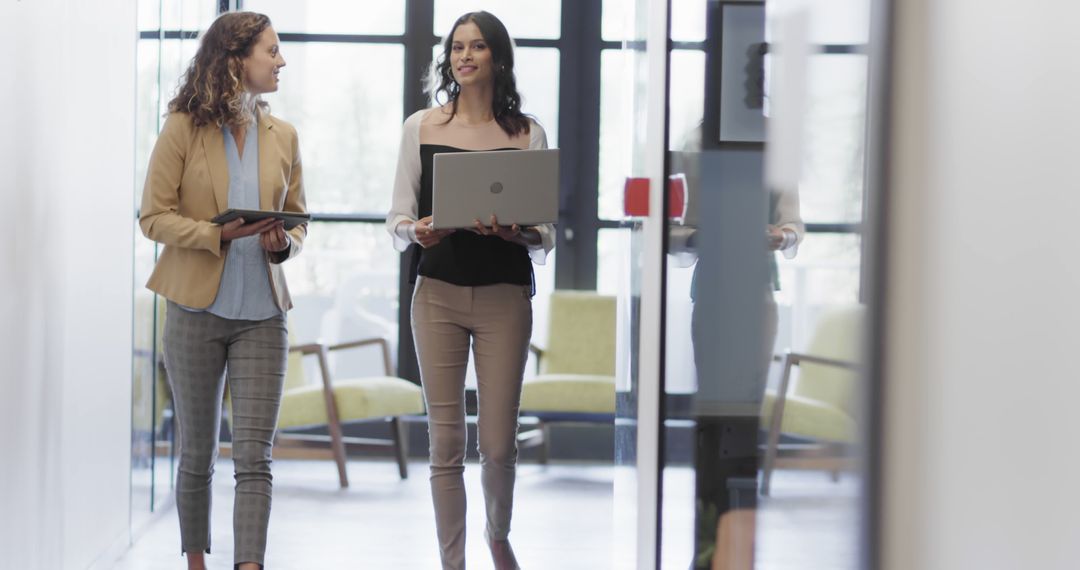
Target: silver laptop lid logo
x: 496, y: 188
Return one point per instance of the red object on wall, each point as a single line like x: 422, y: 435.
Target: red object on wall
x: 676, y: 191
x: 636, y: 196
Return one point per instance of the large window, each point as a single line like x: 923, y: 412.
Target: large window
x: 348, y: 85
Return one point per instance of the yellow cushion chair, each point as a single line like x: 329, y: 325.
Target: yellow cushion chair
x: 821, y: 407
x: 333, y: 402
x: 576, y: 368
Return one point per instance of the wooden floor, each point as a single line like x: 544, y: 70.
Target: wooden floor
x: 563, y: 519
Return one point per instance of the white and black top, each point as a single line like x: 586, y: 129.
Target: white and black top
x: 462, y: 258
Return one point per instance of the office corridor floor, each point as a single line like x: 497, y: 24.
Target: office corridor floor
x: 563, y: 519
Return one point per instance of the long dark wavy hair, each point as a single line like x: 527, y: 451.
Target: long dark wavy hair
x: 506, y: 103
x: 212, y: 90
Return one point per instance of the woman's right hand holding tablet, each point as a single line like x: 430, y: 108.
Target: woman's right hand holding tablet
x: 427, y: 236
x: 237, y: 228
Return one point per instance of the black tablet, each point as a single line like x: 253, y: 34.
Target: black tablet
x: 292, y: 219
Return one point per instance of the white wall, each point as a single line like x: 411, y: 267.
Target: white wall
x: 67, y: 406
x: 983, y: 384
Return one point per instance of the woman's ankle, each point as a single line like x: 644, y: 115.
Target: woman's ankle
x: 196, y: 561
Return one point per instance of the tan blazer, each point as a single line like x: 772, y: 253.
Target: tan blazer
x: 187, y: 184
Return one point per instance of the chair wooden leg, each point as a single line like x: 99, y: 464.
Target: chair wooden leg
x: 400, y: 435
x: 775, y: 425
x: 545, y: 444
x: 337, y: 445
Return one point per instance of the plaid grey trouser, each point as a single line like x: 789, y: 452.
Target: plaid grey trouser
x: 199, y: 347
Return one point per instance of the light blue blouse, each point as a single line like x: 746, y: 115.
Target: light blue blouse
x: 245, y: 292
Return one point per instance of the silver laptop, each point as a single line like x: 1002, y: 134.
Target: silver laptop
x: 518, y: 186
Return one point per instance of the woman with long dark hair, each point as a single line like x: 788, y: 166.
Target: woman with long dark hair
x: 220, y: 148
x: 471, y: 285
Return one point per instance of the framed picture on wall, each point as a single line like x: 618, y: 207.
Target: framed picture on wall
x: 742, y: 64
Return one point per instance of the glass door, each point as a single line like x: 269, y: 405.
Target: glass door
x: 632, y: 116
x: 766, y: 162
x: 167, y: 41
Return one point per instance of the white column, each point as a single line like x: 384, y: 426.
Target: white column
x: 67, y: 144
x: 982, y: 381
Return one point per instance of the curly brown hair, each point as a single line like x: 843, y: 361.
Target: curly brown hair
x: 213, y: 87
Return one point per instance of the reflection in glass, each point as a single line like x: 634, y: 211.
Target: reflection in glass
x: 159, y: 65
x: 762, y: 348
x: 833, y: 163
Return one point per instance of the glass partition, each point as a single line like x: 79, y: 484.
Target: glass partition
x: 765, y: 317
x: 167, y: 31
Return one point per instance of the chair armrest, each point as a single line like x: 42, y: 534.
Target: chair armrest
x: 772, y: 440
x: 305, y: 349
x: 539, y: 352
x: 799, y: 358
x: 388, y: 368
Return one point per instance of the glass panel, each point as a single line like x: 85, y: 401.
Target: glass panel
x: 840, y: 22
x: 348, y: 132
x: 688, y: 20
x: 149, y: 14
x: 623, y: 154
x: 825, y: 274
x: 333, y: 16
x: 612, y: 260
x: 159, y: 66
x: 188, y: 15
x: 688, y: 80
x: 831, y: 189
x: 617, y: 120
x: 534, y: 19
x: 736, y: 297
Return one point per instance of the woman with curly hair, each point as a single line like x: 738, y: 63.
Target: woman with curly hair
x: 220, y: 148
x: 475, y: 284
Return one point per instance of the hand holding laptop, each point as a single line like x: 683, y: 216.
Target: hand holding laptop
x: 426, y: 236
x: 508, y: 233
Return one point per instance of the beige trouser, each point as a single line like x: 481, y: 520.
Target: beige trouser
x: 498, y: 320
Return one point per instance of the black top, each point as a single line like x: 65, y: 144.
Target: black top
x: 464, y: 257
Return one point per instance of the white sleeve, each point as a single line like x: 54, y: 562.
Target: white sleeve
x: 404, y: 205
x: 538, y: 253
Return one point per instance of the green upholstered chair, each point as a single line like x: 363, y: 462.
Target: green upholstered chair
x: 576, y: 368
x: 821, y: 407
x: 333, y: 402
